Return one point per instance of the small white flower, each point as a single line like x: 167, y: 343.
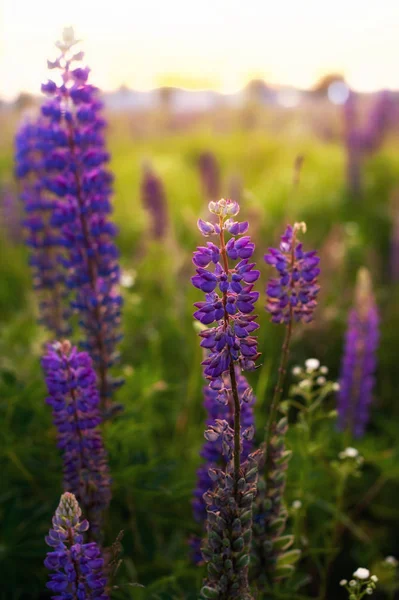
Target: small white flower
x: 335, y: 386
x: 312, y: 364
x: 305, y: 384
x: 321, y: 380
x: 127, y: 279
x: 351, y: 452
x: 361, y: 573
x: 374, y: 578
x: 369, y: 591
x: 392, y: 561
x: 352, y: 583
x: 324, y: 370
x: 343, y: 582
x: 296, y: 371
x: 297, y: 504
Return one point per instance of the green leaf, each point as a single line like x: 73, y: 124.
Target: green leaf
x: 288, y: 558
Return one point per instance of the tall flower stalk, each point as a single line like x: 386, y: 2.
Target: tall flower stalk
x: 77, y: 568
x: 75, y: 173
x: 229, y: 344
x: 44, y: 241
x: 73, y: 396
x: 359, y: 361
x: 291, y: 297
x: 154, y: 201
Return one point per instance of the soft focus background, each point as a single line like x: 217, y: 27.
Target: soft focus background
x: 275, y: 99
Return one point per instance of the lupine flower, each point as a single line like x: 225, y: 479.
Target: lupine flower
x: 230, y: 340
x: 210, y: 176
x: 230, y: 346
x: 378, y: 121
x: 77, y: 567
x: 73, y: 396
x: 154, y: 201
x: 293, y: 295
x: 75, y: 173
x: 212, y: 450
x: 43, y: 240
x: 359, y: 360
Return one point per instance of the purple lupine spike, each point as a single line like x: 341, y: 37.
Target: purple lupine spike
x: 293, y: 295
x: 77, y: 567
x: 212, y: 450
x: 359, y: 360
x: 73, y: 396
x: 43, y: 240
x: 229, y: 303
x: 154, y: 201
x: 210, y: 175
x: 378, y: 121
x: 75, y: 160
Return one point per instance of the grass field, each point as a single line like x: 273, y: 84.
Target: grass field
x: 153, y: 445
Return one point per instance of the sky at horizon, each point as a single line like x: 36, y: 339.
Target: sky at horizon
x: 219, y: 44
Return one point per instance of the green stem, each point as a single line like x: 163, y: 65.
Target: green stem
x: 278, y: 390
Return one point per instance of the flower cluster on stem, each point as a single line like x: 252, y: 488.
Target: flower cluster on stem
x: 45, y: 242
x: 77, y: 568
x: 76, y: 174
x: 359, y: 359
x: 229, y: 302
x: 154, y: 201
x: 73, y: 396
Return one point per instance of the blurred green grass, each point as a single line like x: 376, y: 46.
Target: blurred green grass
x: 154, y: 444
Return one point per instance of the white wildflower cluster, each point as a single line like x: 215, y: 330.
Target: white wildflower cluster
x: 313, y: 375
x: 363, y: 584
x: 351, y: 454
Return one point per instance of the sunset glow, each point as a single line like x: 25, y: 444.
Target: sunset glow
x: 219, y: 44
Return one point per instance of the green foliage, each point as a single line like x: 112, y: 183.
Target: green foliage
x: 154, y: 444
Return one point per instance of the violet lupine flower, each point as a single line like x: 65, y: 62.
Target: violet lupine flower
x: 359, y: 360
x: 212, y: 450
x: 230, y: 339
x: 43, y: 240
x: 378, y: 121
x: 75, y: 162
x: 77, y: 568
x: 154, y: 200
x: 73, y: 396
x: 210, y: 175
x: 293, y: 295
x: 230, y: 346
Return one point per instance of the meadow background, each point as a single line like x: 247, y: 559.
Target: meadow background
x: 153, y: 445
